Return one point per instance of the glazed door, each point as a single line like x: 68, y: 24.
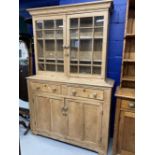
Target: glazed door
x: 58, y: 117
x: 84, y: 122
x: 50, y: 38
x: 87, y: 43
x: 43, y: 114
x: 127, y: 127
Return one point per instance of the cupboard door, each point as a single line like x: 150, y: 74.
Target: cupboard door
x: 75, y: 120
x: 127, y: 133
x: 86, y: 39
x: 92, y: 123
x: 58, y: 117
x: 84, y: 122
x: 43, y: 121
x: 49, y: 43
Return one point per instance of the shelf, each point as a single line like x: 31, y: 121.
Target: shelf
x: 128, y: 60
x: 130, y: 36
x: 128, y: 78
x: 125, y: 93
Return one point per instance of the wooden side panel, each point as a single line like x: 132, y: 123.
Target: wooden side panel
x: 128, y: 132
x: 92, y: 123
x: 43, y: 114
x: 75, y: 120
x: 59, y: 121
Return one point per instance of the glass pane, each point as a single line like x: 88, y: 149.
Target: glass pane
x: 85, y: 62
x: 59, y: 49
x: 86, y: 22
x: 85, y: 69
x: 60, y: 68
x: 86, y: 45
x: 97, y: 55
x: 40, y: 60
x: 97, y: 63
x: 49, y: 34
x: 41, y: 66
x: 74, y: 34
x: 39, y: 24
x: 48, y: 24
x: 99, y: 21
x: 59, y: 45
x: 74, y: 62
x: 96, y: 70
x: 74, y: 23
x: 49, y: 45
x: 59, y: 34
x: 73, y: 69
x: 85, y: 55
x: 40, y: 48
x: 98, y: 44
x: 39, y: 34
x: 86, y: 33
x: 59, y: 23
x: 98, y: 33
x: 74, y: 48
x: 50, y: 67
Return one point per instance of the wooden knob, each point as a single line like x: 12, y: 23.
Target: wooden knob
x: 37, y: 88
x: 84, y: 90
x: 131, y: 104
x: 73, y: 92
x: 94, y: 95
x: 54, y: 89
x: 65, y: 109
x: 45, y: 85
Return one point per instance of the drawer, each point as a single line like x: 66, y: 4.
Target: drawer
x: 128, y: 104
x: 56, y: 89
x: 86, y: 92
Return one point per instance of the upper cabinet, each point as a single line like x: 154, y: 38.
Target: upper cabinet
x: 72, y: 39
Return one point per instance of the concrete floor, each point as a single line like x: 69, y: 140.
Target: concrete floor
x: 38, y: 145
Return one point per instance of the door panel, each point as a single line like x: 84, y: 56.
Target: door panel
x: 59, y: 120
x: 128, y: 133
x: 92, y: 121
x: 75, y: 120
x: 84, y: 121
x: 43, y: 114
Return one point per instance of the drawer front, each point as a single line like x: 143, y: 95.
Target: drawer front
x: 128, y: 104
x: 56, y: 89
x: 86, y: 92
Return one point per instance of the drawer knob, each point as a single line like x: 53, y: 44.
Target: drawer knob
x: 84, y: 90
x: 94, y: 95
x: 73, y: 92
x: 45, y: 85
x: 54, y: 89
x: 38, y: 88
x: 131, y: 104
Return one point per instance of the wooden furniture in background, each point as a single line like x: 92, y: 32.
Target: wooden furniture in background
x: 70, y: 96
x: 124, y: 133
